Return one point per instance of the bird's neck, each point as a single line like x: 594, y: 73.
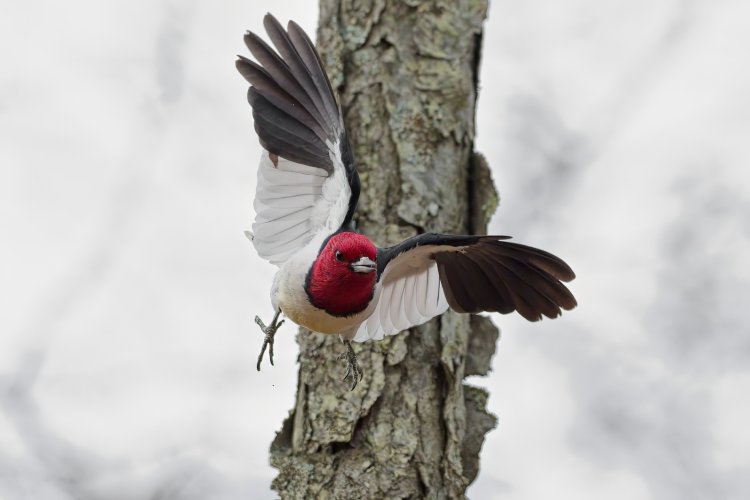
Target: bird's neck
x: 339, y: 294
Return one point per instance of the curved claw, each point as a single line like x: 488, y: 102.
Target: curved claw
x: 352, y: 370
x: 270, y: 332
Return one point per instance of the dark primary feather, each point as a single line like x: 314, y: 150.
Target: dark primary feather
x: 264, y: 85
x: 293, y: 103
x: 500, y: 276
x: 314, y: 65
x: 277, y: 69
x: 484, y: 273
x: 284, y: 45
x: 278, y: 132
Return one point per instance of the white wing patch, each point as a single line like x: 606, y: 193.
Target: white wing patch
x: 295, y: 202
x: 409, y: 294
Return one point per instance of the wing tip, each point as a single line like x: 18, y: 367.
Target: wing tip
x: 269, y: 18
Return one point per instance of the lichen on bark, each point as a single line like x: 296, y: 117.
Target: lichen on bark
x: 406, y: 75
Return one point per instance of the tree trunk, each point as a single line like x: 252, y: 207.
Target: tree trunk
x: 406, y: 73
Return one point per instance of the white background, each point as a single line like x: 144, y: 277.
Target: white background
x: 619, y: 137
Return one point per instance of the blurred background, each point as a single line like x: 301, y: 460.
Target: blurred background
x: 619, y: 137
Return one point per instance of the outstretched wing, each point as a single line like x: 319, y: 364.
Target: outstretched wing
x: 307, y: 180
x: 425, y: 275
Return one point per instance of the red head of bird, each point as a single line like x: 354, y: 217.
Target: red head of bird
x: 342, y: 278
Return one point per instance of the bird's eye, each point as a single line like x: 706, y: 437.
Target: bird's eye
x: 339, y: 256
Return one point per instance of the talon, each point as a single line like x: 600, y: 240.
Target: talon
x: 260, y: 323
x: 352, y: 369
x: 270, y: 332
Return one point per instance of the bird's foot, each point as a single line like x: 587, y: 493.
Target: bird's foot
x: 352, y: 370
x: 269, y: 331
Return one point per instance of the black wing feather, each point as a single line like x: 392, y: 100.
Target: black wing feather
x: 284, y: 45
x: 540, y: 259
x: 282, y: 76
x: 285, y: 123
x: 502, y: 300
x: 311, y: 59
x: 294, y: 106
x: 484, y: 273
x: 263, y: 84
x: 528, y: 290
x: 480, y: 293
x: 281, y: 134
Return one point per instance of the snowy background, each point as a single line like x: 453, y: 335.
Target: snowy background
x: 619, y: 135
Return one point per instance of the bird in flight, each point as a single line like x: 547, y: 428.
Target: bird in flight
x: 333, y: 280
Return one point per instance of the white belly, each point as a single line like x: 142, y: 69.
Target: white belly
x: 288, y: 294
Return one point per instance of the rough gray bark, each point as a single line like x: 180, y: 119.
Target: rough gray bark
x: 406, y: 72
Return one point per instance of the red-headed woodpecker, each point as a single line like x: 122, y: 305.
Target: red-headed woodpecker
x: 333, y: 280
